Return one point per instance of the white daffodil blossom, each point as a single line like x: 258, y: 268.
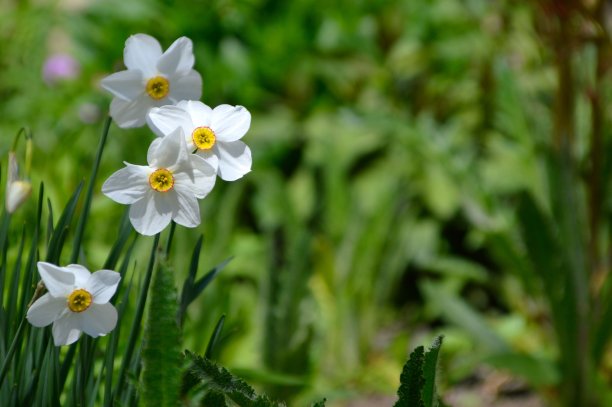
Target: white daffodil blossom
x: 167, y: 189
x: 76, y: 301
x: 17, y: 190
x: 152, y: 79
x: 213, y: 134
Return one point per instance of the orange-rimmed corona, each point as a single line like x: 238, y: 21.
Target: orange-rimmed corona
x: 158, y: 87
x: 79, y: 300
x: 161, y: 180
x: 203, y: 138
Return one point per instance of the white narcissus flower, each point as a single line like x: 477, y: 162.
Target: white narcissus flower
x: 77, y: 301
x: 152, y: 79
x: 214, y: 133
x: 167, y: 189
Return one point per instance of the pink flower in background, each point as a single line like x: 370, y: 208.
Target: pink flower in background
x: 59, y: 67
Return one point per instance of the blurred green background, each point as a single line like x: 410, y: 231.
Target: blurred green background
x: 390, y: 139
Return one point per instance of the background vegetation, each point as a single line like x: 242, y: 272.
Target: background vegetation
x: 420, y: 167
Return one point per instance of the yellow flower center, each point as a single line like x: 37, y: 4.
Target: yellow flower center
x: 158, y: 87
x: 79, y: 300
x: 161, y: 180
x: 203, y: 138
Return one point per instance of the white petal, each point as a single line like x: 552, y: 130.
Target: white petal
x: 234, y: 160
x: 130, y: 114
x: 151, y: 214
x: 45, y: 310
x: 127, y: 185
x: 210, y: 157
x: 66, y: 329
x: 177, y: 58
x: 164, y: 120
x: 204, y: 176
x: 230, y: 123
x: 187, y: 212
x: 58, y: 281
x: 142, y: 52
x: 98, y: 319
x: 126, y: 85
x: 102, y: 285
x: 185, y: 87
x: 201, y: 114
x: 166, y: 151
x: 81, y: 274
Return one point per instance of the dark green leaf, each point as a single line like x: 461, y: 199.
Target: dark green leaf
x: 161, y: 352
x: 219, y: 379
x: 411, y: 380
x: 430, y: 398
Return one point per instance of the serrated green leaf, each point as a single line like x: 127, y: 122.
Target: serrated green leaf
x: 220, y: 380
x: 161, y: 352
x: 411, y: 380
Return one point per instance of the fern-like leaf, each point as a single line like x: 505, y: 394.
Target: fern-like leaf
x: 219, y: 380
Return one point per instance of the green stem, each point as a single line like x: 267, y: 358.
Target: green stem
x: 78, y: 236
x: 11, y: 351
x: 577, y: 364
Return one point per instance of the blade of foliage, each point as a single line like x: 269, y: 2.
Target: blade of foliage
x: 125, y: 230
x: 189, y: 379
x: 411, y: 380
x: 135, y: 328
x: 59, y: 233
x: 455, y: 309
x: 430, y: 399
x: 418, y: 378
x: 537, y: 371
x: 549, y: 262
x: 220, y: 380
x: 161, y: 355
x: 192, y: 288
x: 80, y: 229
x: 214, y: 398
x: 214, y: 338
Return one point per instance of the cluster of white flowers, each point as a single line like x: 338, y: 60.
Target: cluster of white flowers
x: 195, y: 142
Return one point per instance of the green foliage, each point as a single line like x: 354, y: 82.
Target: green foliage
x: 418, y: 378
x: 192, y: 288
x: 404, y: 174
x: 220, y: 381
x: 412, y: 381
x: 161, y: 360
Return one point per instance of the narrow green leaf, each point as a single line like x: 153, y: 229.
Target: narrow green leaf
x: 214, y: 338
x: 191, y: 288
x: 135, y: 328
x: 50, y: 223
x: 59, y: 233
x: 161, y: 355
x: 80, y: 229
x: 430, y: 398
x: 456, y: 310
x: 537, y: 371
x: 125, y: 231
